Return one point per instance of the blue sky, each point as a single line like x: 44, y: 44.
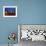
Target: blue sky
x: 10, y: 9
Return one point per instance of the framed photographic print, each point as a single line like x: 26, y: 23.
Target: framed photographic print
x: 9, y: 11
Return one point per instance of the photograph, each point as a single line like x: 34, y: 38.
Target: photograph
x: 9, y: 11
